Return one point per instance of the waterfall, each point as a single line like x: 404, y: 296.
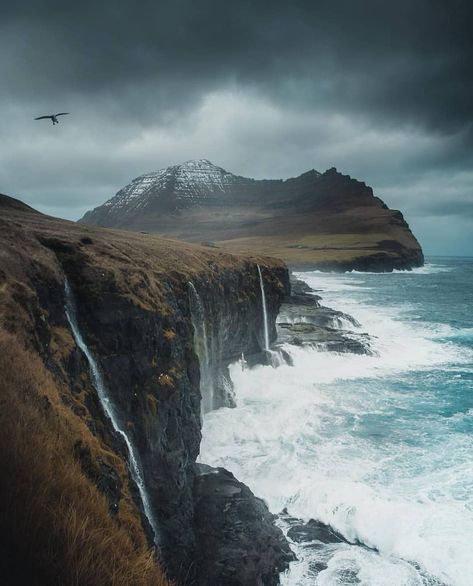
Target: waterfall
x: 201, y: 341
x: 98, y: 382
x: 265, y: 313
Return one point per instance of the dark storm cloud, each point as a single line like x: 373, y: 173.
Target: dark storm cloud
x: 408, y: 61
x: 381, y: 90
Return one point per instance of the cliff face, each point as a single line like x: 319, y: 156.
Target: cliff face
x: 152, y: 370
x: 134, y: 308
x: 324, y: 220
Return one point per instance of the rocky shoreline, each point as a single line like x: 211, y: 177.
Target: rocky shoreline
x: 238, y: 541
x: 304, y: 321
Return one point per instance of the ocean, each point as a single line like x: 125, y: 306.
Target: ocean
x: 379, y: 447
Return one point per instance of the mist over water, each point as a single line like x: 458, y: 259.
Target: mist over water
x: 379, y: 447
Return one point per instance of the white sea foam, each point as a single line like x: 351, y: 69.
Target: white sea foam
x: 368, y: 568
x: 427, y: 269
x: 298, y: 437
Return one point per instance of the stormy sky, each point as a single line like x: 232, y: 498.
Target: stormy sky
x: 382, y: 91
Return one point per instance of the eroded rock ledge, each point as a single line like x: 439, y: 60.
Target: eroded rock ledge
x: 304, y: 321
x: 237, y: 541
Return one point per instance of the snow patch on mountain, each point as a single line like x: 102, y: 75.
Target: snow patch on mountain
x: 191, y: 182
x: 195, y: 182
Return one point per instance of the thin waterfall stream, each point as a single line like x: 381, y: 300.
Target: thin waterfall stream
x: 98, y: 382
x: 265, y: 312
x: 207, y: 389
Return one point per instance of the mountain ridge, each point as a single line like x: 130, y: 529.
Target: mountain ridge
x: 325, y: 220
x: 196, y: 181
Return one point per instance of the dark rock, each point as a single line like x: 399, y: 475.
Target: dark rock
x: 237, y: 541
x: 376, y: 262
x: 313, y: 535
x: 301, y: 288
x: 315, y: 531
x: 323, y: 338
x: 303, y: 321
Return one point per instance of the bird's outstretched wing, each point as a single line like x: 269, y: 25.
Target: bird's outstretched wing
x: 42, y: 117
x: 62, y: 113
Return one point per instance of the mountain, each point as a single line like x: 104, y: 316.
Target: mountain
x: 325, y: 220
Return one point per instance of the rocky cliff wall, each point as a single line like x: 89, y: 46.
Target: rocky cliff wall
x: 134, y: 311
x: 152, y: 371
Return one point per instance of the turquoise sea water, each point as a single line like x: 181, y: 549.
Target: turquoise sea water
x: 379, y: 447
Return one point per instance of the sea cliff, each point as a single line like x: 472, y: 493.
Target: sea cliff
x: 132, y: 298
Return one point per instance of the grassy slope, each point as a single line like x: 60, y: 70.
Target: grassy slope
x: 129, y: 255
x: 56, y: 526
x: 298, y: 237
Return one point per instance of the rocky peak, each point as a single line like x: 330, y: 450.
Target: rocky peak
x: 201, y: 178
x: 175, y: 187
x: 193, y: 176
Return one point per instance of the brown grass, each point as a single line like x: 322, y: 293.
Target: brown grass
x: 169, y: 334
x: 338, y: 229
x: 166, y: 380
x: 54, y: 523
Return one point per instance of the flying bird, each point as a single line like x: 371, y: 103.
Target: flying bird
x: 52, y: 117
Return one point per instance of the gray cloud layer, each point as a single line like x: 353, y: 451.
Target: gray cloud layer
x: 382, y: 91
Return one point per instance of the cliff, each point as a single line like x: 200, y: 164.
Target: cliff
x: 125, y: 327
x: 322, y: 220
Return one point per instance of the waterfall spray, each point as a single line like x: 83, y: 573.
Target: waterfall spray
x: 265, y: 313
x: 201, y: 341
x: 98, y: 382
